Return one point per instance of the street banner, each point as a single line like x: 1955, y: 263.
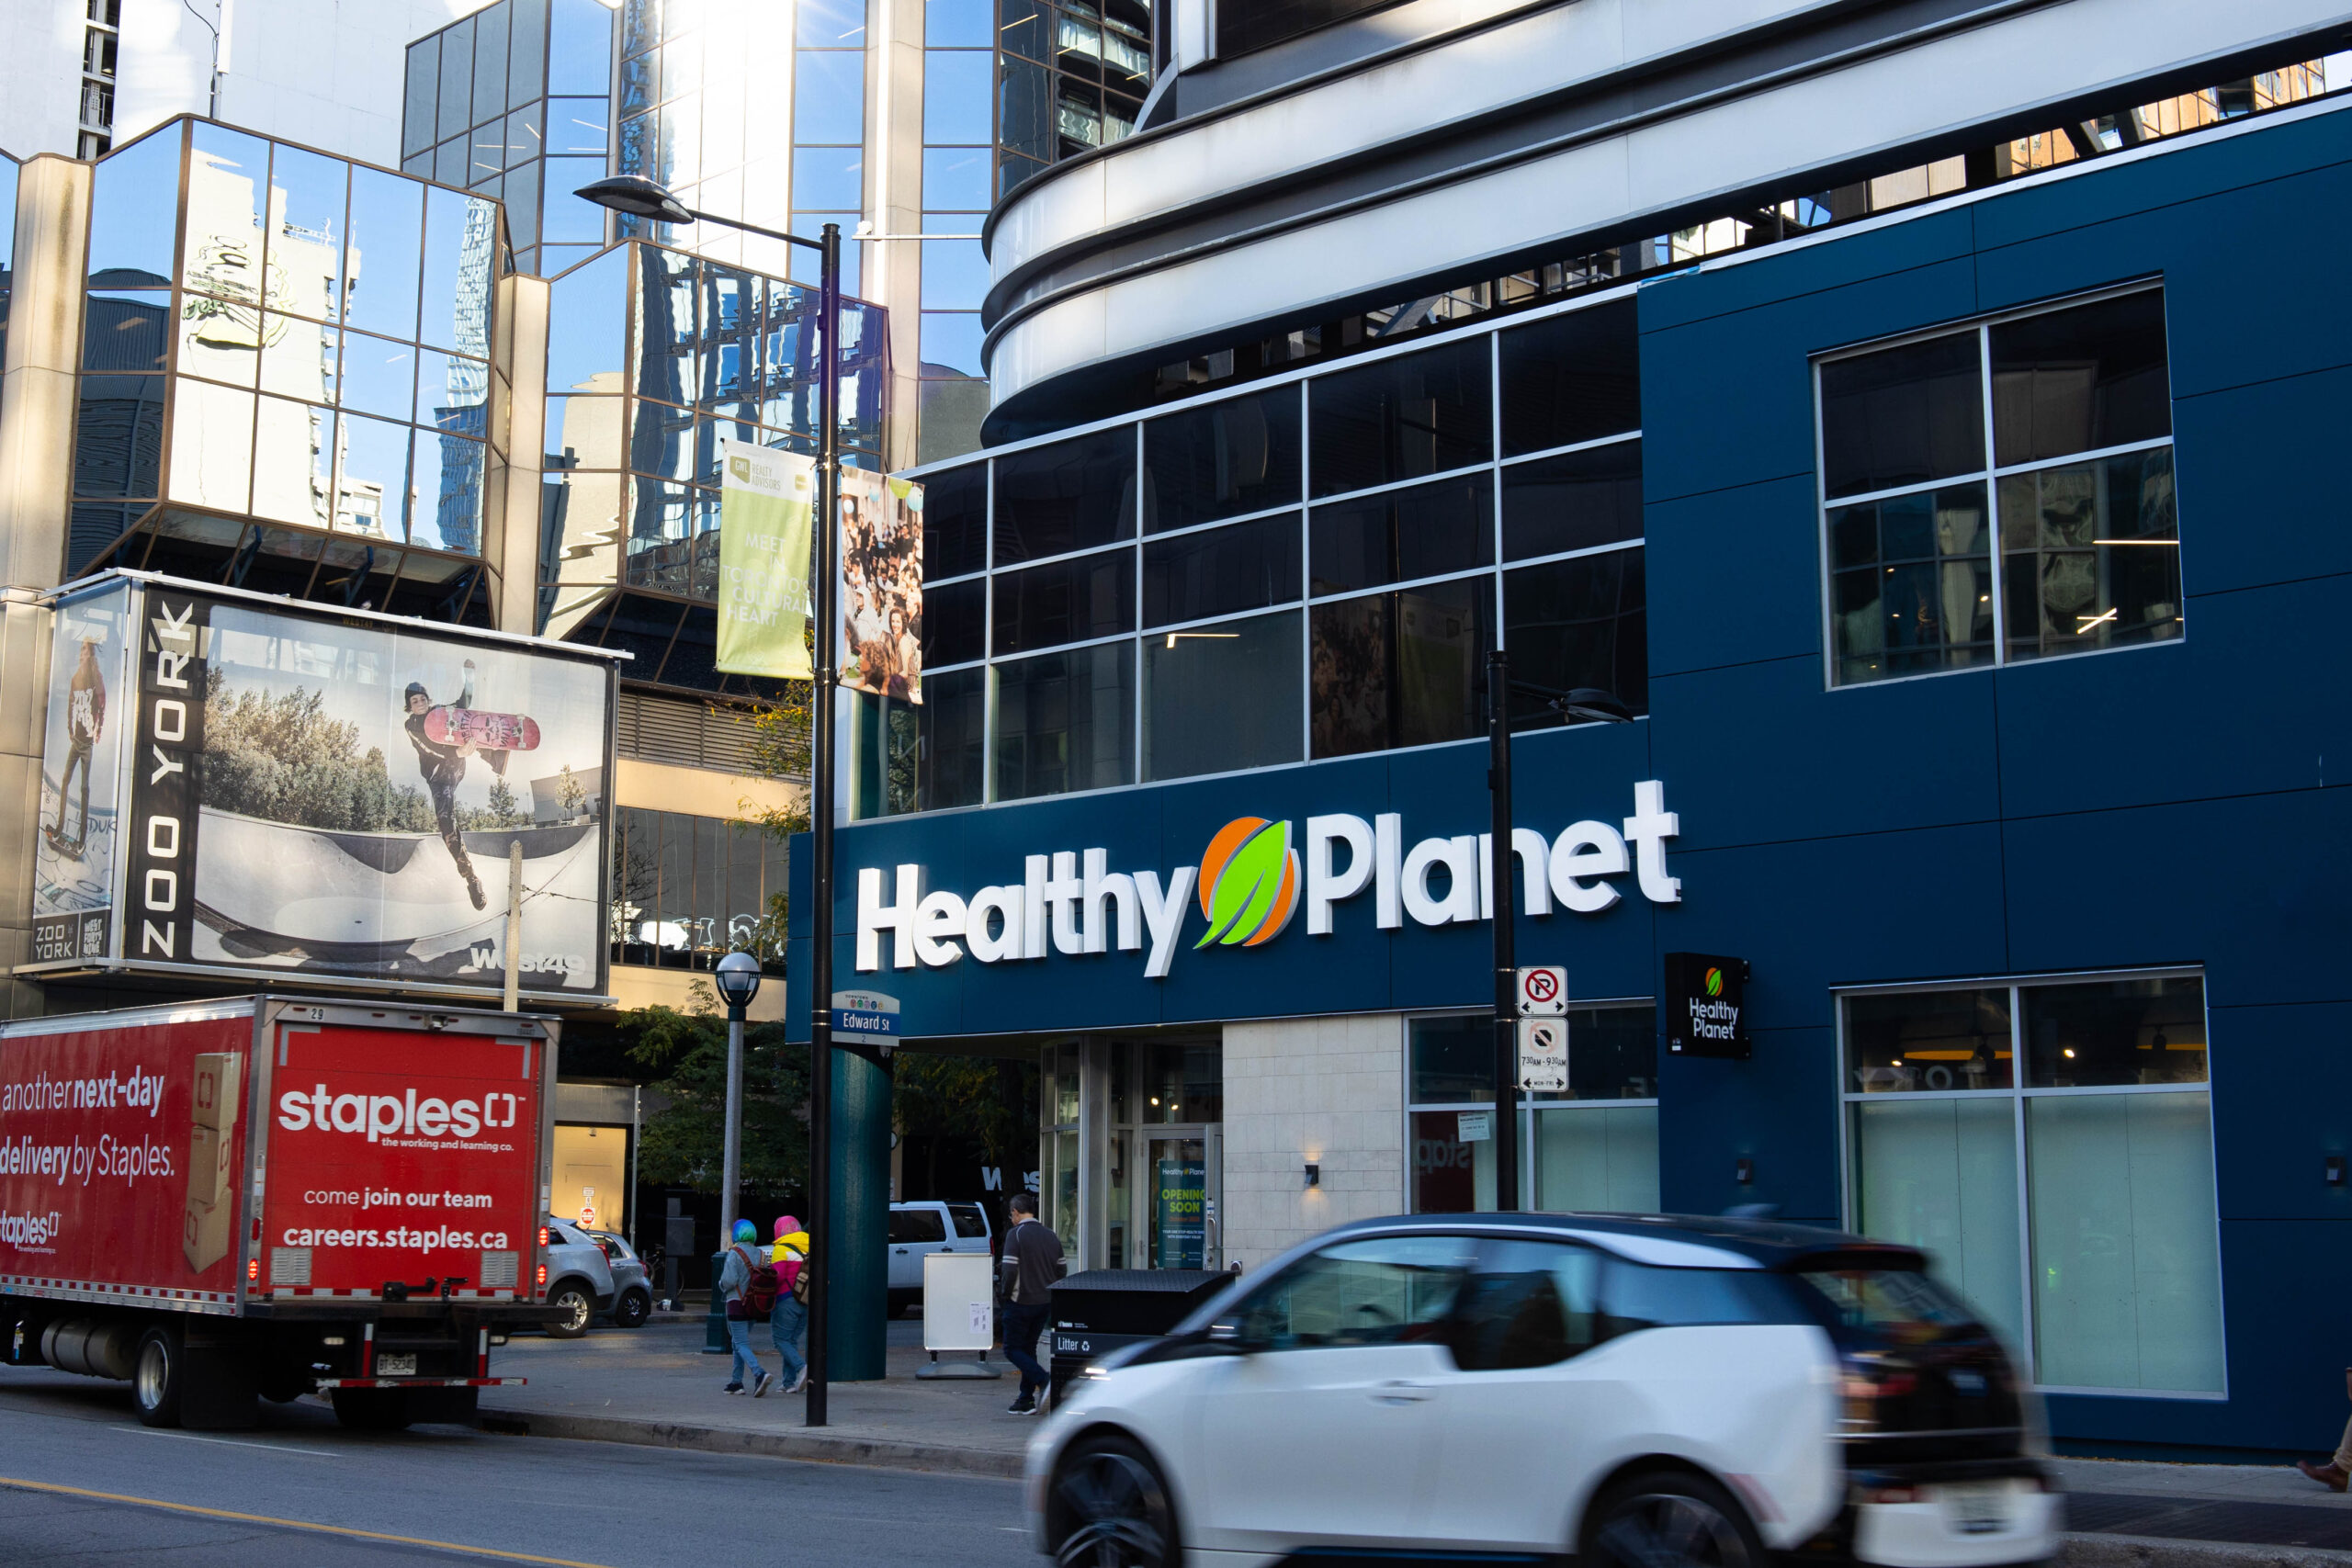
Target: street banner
x: 881, y: 585
x: 765, y: 497
x: 74, y: 845
x: 320, y: 794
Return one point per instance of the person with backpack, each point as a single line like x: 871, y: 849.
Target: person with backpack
x: 748, y: 1283
x: 789, y: 1320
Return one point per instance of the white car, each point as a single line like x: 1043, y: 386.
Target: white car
x: 921, y: 1227
x: 1635, y: 1391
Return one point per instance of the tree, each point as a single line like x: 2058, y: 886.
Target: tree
x: 964, y: 1100
x: 686, y: 1142
x: 571, y: 794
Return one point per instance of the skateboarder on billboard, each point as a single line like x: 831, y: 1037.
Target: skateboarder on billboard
x: 85, y: 718
x: 444, y: 767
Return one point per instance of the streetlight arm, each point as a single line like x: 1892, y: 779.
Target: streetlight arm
x: 755, y: 229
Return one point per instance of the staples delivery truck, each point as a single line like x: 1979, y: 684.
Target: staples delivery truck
x: 272, y: 1196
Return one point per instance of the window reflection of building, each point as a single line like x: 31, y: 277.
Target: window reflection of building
x: 685, y: 889
x: 323, y: 374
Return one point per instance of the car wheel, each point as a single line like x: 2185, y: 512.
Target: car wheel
x: 632, y: 1309
x: 157, y: 1377
x: 577, y: 1305
x: 1668, y: 1519
x: 1112, y: 1508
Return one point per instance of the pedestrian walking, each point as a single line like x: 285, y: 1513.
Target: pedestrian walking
x: 789, y: 1320
x: 740, y: 1285
x: 2337, y: 1472
x: 1032, y: 1261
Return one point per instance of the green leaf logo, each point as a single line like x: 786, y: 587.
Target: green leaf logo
x: 1249, y: 883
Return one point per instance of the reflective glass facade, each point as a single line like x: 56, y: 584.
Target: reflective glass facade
x: 286, y: 364
x: 654, y: 355
x: 514, y: 102
x: 1073, y: 78
x: 1310, y: 570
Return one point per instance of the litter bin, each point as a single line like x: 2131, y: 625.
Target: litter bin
x: 1101, y: 1310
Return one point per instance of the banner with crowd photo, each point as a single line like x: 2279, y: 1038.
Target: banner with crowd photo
x: 766, y: 499
x: 334, y: 795
x: 882, y: 585
x: 75, y: 844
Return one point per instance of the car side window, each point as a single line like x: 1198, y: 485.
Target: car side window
x: 1380, y: 1291
x: 969, y: 1221
x: 909, y: 1226
x: 1636, y: 1296
x: 1527, y: 1303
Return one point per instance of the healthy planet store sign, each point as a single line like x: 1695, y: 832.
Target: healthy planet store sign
x: 1252, y: 881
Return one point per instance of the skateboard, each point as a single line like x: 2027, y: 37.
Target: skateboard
x: 488, y: 731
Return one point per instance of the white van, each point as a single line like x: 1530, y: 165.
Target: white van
x: 1632, y: 1392
x: 920, y: 1228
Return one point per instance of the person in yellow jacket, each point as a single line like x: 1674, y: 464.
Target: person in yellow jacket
x: 789, y: 1320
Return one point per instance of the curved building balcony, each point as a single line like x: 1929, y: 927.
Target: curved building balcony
x: 1401, y: 152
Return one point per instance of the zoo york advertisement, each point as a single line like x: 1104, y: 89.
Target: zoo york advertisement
x: 338, y: 796
x: 74, y: 852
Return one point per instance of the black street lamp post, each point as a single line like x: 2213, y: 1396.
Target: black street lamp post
x: 1584, y: 705
x: 641, y: 198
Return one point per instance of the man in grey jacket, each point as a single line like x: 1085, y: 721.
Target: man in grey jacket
x: 1032, y: 1261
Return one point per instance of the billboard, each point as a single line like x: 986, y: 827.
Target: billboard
x: 882, y: 585
x: 74, y: 847
x: 334, y: 796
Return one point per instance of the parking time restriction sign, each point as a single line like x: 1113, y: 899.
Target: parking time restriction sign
x: 1542, y: 990
x: 1544, y: 1056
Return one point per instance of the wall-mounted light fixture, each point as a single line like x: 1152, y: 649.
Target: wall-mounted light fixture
x: 1315, y: 1174
x: 2335, y: 1170
x: 1744, y: 1172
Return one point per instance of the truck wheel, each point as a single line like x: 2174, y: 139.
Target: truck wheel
x: 158, y: 1375
x: 571, y: 1298
x: 632, y: 1309
x: 371, y: 1409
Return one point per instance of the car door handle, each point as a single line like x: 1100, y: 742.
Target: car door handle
x: 1401, y: 1393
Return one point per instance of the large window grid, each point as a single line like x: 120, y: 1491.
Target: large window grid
x: 252, y: 393
x: 2020, y: 521
x: 2049, y: 1142
x: 1073, y: 77
x: 654, y: 355
x: 2124, y: 127
x: 1592, y: 1148
x: 688, y: 890
x: 1578, y: 606
x: 959, y: 120
x: 514, y: 102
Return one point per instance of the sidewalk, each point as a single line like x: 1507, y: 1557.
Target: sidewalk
x: 655, y: 1386
x: 2123, y: 1513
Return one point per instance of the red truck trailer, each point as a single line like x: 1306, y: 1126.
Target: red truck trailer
x: 271, y: 1196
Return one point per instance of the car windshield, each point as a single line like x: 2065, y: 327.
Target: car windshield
x: 1890, y: 1305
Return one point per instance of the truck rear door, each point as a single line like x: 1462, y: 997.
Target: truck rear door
x: 401, y: 1153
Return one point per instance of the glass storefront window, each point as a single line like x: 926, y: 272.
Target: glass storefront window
x: 687, y: 889
x: 1222, y: 697
x: 1066, y: 721
x: 1570, y: 379
x: 1401, y: 419
x: 1593, y: 1148
x: 1402, y: 669
x: 2103, y: 1156
x: 1181, y: 1083
x: 1227, y: 459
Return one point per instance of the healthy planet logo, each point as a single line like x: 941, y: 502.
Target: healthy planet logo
x: 1714, y: 981
x: 1249, y: 883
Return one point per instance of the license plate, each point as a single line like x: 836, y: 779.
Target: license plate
x: 1982, y: 1509
x: 396, y: 1366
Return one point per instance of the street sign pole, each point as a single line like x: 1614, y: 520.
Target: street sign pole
x: 1506, y: 959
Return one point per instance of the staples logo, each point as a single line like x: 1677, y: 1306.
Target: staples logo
x: 386, y: 1116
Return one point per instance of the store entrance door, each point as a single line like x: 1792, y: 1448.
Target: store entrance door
x: 1176, y: 1197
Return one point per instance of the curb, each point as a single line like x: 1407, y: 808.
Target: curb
x: 2157, y: 1552
x: 937, y: 1458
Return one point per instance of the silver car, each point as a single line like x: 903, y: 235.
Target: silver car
x: 632, y: 1281
x: 580, y: 1278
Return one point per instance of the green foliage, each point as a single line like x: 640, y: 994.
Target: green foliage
x: 686, y: 1142
x: 282, y: 758
x: 501, y: 812
x: 964, y: 1099
x: 571, y: 794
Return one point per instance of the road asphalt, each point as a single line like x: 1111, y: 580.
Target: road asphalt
x: 83, y: 1484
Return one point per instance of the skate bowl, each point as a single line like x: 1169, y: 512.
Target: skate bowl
x: 394, y: 905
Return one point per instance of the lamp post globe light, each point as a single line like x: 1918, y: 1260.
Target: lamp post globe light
x: 641, y: 198
x: 738, y: 978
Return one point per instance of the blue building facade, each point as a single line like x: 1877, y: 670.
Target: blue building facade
x: 2079, y: 820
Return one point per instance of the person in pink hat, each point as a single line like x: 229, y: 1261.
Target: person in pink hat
x: 789, y: 1320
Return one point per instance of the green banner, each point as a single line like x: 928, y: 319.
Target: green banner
x: 765, y: 498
